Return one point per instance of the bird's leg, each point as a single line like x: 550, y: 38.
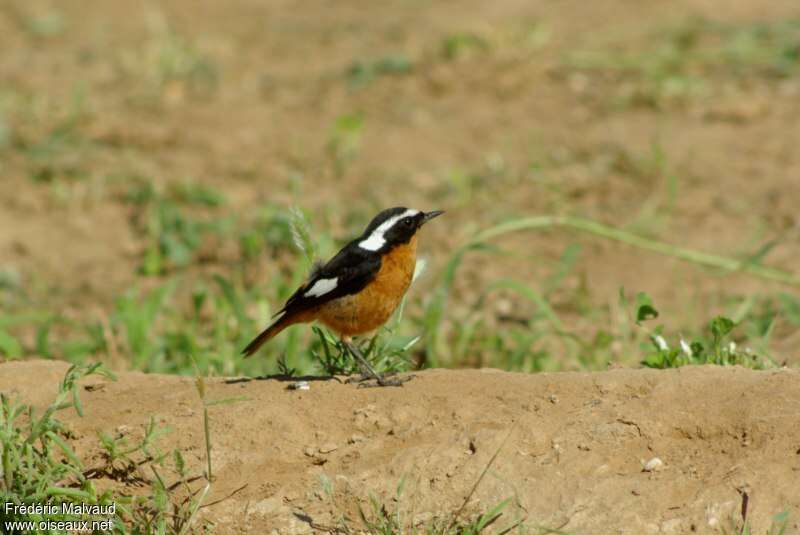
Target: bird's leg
x: 367, y: 371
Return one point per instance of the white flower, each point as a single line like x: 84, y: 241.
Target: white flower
x: 661, y: 343
x: 686, y: 348
x: 732, y: 347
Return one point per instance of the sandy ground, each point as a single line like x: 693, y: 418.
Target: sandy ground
x: 573, y: 458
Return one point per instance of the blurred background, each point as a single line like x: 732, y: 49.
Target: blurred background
x: 151, y: 155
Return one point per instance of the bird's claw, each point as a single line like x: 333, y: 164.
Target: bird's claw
x: 383, y: 380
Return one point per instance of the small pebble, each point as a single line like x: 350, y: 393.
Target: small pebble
x: 327, y: 448
x: 300, y: 385
x: 652, y: 465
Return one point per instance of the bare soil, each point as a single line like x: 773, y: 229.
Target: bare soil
x: 571, y: 445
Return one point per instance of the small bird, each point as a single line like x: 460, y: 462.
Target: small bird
x: 357, y: 290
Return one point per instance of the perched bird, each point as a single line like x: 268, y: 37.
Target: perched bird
x: 357, y: 290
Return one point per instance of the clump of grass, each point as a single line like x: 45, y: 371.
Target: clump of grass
x: 172, y: 233
x: 6, y: 131
x: 513, y: 42
x: 384, y: 352
x: 171, y: 64
x: 462, y: 45
x: 344, y: 142
x: 38, y: 464
x: 41, y: 23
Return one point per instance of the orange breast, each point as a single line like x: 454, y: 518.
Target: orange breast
x: 370, y: 308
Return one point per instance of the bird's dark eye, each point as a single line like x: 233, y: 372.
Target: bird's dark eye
x: 408, y: 222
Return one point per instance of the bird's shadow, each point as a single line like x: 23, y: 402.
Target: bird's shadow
x: 283, y: 378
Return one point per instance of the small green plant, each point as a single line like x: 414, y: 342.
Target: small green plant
x: 10, y: 347
x: 344, y: 142
x: 57, y: 153
x: 177, y: 59
x: 375, y: 518
x: 716, y: 348
x: 362, y: 73
x: 46, y: 24
x: 461, y: 45
x: 119, y: 454
x: 174, y: 238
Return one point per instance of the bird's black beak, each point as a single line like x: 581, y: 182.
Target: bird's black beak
x: 430, y: 215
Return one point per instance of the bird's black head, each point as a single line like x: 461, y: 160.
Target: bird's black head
x: 394, y: 226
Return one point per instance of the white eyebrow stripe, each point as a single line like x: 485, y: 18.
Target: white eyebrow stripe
x: 321, y: 287
x: 376, y: 240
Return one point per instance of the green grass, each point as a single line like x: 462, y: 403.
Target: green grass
x: 362, y: 73
x: 691, y: 60
x: 190, y: 318
x: 523, y: 348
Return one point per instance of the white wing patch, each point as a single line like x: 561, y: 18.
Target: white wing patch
x: 376, y: 240
x: 321, y: 287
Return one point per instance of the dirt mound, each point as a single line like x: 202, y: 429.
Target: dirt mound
x: 573, y: 458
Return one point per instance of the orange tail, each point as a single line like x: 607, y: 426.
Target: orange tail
x: 268, y: 333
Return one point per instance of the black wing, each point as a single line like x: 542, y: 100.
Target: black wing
x: 352, y: 267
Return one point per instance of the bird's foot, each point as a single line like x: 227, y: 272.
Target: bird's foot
x: 368, y: 380
x: 365, y: 376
